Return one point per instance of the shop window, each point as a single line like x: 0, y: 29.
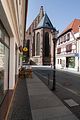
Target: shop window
x: 70, y: 62
x: 4, y: 62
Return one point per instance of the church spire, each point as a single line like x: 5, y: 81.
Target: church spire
x: 41, y: 12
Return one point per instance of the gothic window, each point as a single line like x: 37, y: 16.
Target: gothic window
x: 38, y: 44
x: 46, y: 44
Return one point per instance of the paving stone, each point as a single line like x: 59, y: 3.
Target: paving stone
x: 55, y: 113
x: 20, y: 109
x: 44, y: 101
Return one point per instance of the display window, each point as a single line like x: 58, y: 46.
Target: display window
x: 4, y: 62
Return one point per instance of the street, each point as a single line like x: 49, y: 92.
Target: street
x: 67, y: 86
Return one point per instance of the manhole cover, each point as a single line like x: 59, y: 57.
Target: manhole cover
x: 71, y: 102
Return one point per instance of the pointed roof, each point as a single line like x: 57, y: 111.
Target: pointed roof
x: 74, y: 26
x: 45, y: 23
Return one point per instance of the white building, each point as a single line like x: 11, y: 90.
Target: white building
x: 12, y: 31
x: 68, y: 47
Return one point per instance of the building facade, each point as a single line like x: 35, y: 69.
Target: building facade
x: 68, y: 47
x: 12, y: 29
x: 38, y: 40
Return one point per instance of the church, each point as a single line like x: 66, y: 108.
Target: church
x: 39, y: 40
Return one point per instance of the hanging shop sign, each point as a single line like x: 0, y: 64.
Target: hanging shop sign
x: 25, y: 49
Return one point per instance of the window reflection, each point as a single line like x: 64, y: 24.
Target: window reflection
x: 4, y: 61
x: 4, y: 53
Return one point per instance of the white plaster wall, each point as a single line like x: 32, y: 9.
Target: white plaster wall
x: 63, y: 65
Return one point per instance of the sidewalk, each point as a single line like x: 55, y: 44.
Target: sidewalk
x: 44, y: 104
x: 20, y: 107
x: 34, y: 101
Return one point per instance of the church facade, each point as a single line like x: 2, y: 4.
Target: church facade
x: 38, y: 40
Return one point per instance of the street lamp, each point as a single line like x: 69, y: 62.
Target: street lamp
x: 54, y: 34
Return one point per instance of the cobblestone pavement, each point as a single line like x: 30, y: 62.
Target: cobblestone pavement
x: 20, y: 109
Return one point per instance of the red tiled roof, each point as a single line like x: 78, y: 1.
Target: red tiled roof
x: 74, y: 25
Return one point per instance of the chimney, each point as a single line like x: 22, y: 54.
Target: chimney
x: 41, y: 12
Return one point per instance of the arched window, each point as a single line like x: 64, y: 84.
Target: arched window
x: 46, y: 45
x: 38, y: 44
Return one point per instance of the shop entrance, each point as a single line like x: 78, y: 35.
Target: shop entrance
x: 70, y: 62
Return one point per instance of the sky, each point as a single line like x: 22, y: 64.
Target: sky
x: 60, y: 12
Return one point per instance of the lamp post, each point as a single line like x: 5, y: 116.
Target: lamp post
x: 54, y: 34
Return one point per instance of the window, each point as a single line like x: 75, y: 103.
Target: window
x: 62, y: 39
x: 4, y: 62
x: 60, y: 61
x: 69, y: 48
x: 58, y: 50
x: 46, y: 45
x: 68, y: 36
x: 47, y: 24
x: 70, y: 62
x: 38, y: 44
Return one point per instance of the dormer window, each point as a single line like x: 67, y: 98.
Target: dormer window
x: 47, y: 24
